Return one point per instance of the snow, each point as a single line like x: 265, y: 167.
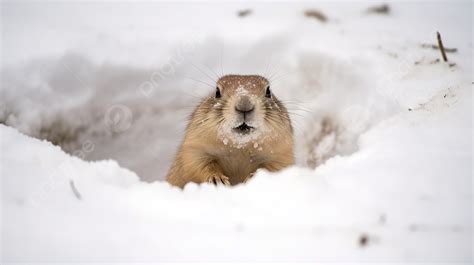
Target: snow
x: 383, y: 132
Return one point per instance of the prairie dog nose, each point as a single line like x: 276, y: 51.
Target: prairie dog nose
x: 244, y: 105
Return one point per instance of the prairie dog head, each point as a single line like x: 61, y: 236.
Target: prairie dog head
x: 249, y: 112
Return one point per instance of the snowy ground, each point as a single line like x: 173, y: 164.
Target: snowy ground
x: 383, y: 132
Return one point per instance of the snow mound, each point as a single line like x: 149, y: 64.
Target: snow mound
x: 364, y: 207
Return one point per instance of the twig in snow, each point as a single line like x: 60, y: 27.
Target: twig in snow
x: 441, y: 47
x: 313, y: 13
x: 74, y: 190
x: 380, y: 9
x: 436, y: 47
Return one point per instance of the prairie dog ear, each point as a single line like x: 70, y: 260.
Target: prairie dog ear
x: 268, y: 92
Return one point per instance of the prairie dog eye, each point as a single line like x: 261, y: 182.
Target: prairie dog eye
x: 218, y: 92
x: 268, y: 93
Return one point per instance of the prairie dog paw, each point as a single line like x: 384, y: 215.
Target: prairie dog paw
x: 218, y: 180
x: 249, y: 177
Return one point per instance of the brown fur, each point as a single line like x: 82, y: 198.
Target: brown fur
x: 212, y: 152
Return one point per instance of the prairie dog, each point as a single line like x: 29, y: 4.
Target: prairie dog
x: 234, y: 131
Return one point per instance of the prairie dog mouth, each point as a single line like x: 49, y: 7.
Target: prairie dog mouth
x: 244, y: 128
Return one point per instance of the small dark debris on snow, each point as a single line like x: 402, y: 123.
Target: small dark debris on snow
x: 438, y: 60
x: 316, y: 14
x: 379, y: 9
x: 436, y: 47
x: 363, y: 240
x: 435, y: 61
x: 244, y: 12
x: 74, y: 190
